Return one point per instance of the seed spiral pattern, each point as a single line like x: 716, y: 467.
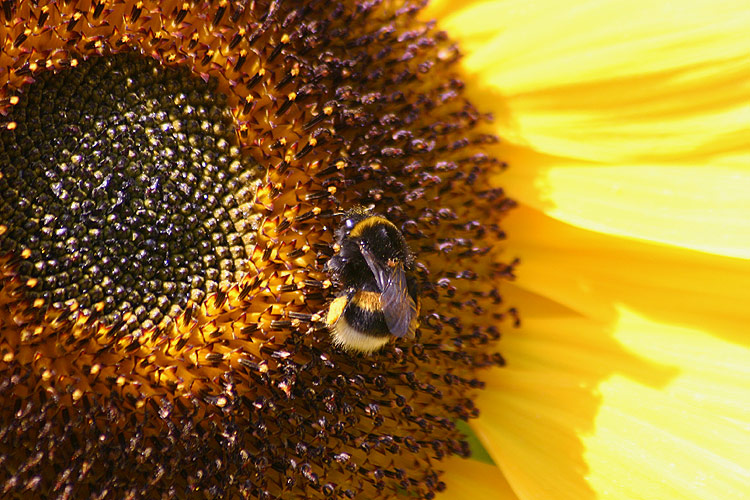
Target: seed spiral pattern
x: 126, y: 189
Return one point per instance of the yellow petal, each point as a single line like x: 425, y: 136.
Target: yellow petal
x: 704, y: 208
x: 592, y: 273
x: 610, y: 80
x: 631, y: 408
x: 691, y: 435
x: 472, y: 480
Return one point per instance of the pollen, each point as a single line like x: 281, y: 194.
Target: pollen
x: 170, y: 175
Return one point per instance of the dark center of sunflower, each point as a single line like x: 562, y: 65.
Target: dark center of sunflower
x: 121, y: 181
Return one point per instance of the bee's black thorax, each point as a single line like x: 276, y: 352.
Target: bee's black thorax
x: 376, y: 233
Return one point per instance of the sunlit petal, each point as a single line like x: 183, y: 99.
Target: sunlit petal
x: 612, y: 80
x: 591, y: 273
x: 621, y: 409
x: 698, y: 207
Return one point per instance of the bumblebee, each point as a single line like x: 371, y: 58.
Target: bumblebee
x: 379, y: 297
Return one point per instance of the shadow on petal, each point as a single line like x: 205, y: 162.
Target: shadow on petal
x: 594, y: 273
x: 471, y: 480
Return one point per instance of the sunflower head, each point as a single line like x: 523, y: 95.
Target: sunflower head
x: 169, y: 176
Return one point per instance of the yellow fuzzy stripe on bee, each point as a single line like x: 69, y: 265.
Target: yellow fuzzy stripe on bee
x: 350, y: 339
x: 369, y: 301
x: 336, y: 310
x: 369, y: 222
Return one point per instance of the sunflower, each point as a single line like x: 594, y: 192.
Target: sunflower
x: 170, y: 175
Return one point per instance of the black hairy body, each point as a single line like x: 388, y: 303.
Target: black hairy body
x: 379, y: 298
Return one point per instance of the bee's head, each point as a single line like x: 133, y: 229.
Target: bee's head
x: 351, y: 218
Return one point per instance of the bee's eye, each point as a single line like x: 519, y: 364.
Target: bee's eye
x: 349, y: 224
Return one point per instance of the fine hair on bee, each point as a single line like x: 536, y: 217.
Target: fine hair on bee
x: 379, y: 297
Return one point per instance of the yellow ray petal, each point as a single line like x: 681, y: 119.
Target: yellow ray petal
x: 699, y: 207
x: 592, y: 273
x: 472, y: 480
x: 611, y: 80
x: 631, y: 408
x: 688, y: 439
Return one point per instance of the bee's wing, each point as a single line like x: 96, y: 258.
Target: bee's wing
x: 398, y: 307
